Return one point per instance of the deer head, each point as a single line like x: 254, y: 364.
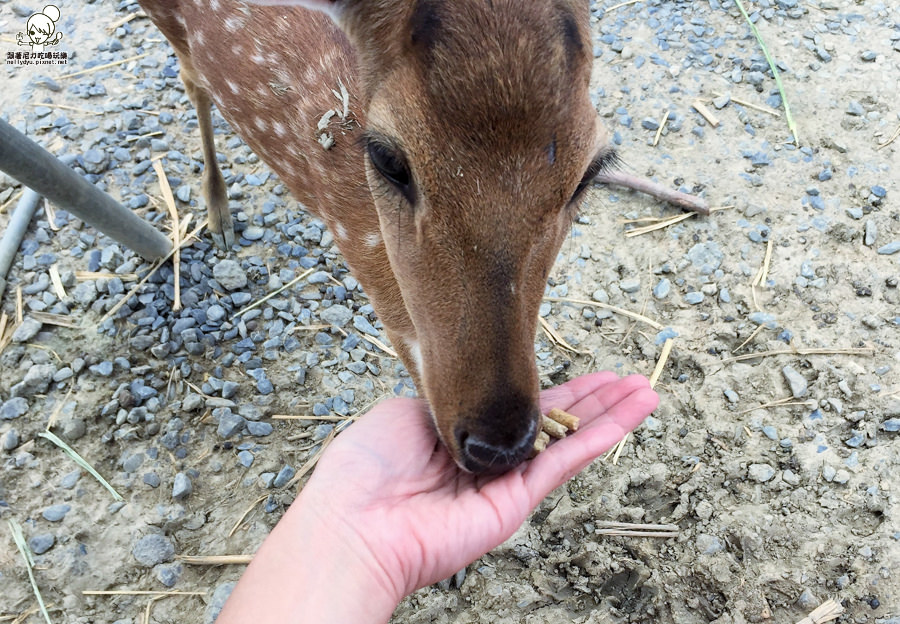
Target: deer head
x: 479, y: 138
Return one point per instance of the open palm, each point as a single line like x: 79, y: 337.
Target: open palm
x: 389, y: 483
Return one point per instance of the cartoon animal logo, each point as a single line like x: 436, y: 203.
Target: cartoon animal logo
x: 40, y: 29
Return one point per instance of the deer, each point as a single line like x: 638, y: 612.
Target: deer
x: 446, y: 144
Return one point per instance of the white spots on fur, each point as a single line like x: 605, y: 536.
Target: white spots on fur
x: 233, y: 87
x: 258, y: 59
x: 199, y: 37
x: 260, y: 123
x: 280, y: 129
x: 340, y: 231
x: 214, y: 5
x: 415, y: 351
x: 232, y: 24
x: 373, y: 239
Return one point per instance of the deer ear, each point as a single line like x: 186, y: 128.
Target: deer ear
x: 333, y: 8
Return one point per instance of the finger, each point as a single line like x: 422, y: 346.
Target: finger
x: 564, y: 459
x: 593, y: 395
x: 574, y: 390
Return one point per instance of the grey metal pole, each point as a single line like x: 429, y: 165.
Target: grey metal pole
x: 15, y: 232
x: 38, y: 169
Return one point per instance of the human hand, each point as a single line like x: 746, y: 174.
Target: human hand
x: 422, y: 518
x: 387, y: 510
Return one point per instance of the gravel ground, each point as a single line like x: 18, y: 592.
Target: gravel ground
x: 778, y: 469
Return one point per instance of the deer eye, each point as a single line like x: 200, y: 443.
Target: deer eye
x: 391, y: 164
x: 604, y: 161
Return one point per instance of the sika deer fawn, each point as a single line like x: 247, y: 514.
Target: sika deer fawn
x: 446, y: 143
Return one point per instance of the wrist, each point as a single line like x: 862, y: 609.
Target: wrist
x: 310, y: 570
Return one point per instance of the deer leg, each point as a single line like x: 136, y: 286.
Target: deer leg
x: 220, y: 227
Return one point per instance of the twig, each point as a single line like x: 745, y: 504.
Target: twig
x: 880, y: 145
x: 247, y: 511
x: 184, y: 241
x: 616, y: 451
x: 138, y: 592
x: 169, y: 200
x: 749, y: 356
x: 627, y: 529
x: 659, y: 226
x: 215, y: 560
x: 272, y: 294
x: 662, y: 124
x: 707, y: 114
x: 606, y: 306
x: 105, y: 66
x: 825, y: 612
x: 559, y: 340
x: 746, y: 104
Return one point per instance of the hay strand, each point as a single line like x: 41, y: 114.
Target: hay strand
x: 78, y: 459
x: 19, y: 539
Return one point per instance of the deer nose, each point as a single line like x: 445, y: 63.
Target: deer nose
x: 498, y: 445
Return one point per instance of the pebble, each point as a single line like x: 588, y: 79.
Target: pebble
x: 889, y: 249
x: 168, y: 573
x: 259, y: 429
x: 13, y: 408
x: 182, y: 486
x: 153, y: 549
x: 761, y: 472
x: 10, y: 440
x: 662, y: 288
x: 230, y: 275
x: 709, y: 544
x: 39, y: 544
x: 36, y: 381
x: 55, y: 513
x: 796, y: 381
x: 694, y: 298
x: 336, y: 315
x: 245, y: 458
x: 217, y: 601
x: 230, y: 424
x: 284, y: 475
x: 27, y: 330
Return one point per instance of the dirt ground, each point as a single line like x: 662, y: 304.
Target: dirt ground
x: 774, y: 450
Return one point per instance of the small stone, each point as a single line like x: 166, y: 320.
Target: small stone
x: 39, y: 544
x: 284, y: 475
x: 245, y: 458
x: 630, y: 285
x: 168, y: 573
x: 761, y: 472
x: 215, y: 313
x: 259, y: 429
x: 152, y: 479
x: 828, y: 473
x: 36, y: 381
x: 153, y: 549
x: 217, y: 601
x: 182, y: 487
x: 230, y: 424
x: 796, y: 381
x: 192, y: 402
x: 336, y: 315
x: 13, y: 408
x: 229, y: 274
x: 709, y: 544
x: 183, y: 193
x: 889, y: 249
x: 10, y: 440
x: 55, y: 513
x: 871, y: 233
x: 694, y: 298
x: 27, y: 330
x: 253, y: 233
x: 662, y: 288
